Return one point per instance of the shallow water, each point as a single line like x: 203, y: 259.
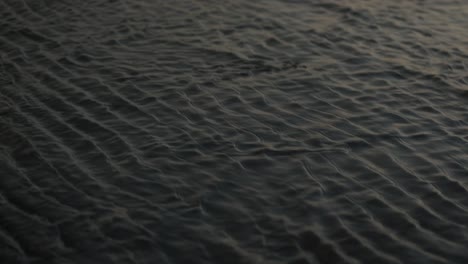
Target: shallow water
x: 233, y: 131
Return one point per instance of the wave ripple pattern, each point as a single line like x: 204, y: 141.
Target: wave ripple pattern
x: 138, y: 131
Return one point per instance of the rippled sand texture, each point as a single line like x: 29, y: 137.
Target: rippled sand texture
x: 150, y: 131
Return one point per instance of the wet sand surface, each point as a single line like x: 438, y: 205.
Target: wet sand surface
x: 138, y: 131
